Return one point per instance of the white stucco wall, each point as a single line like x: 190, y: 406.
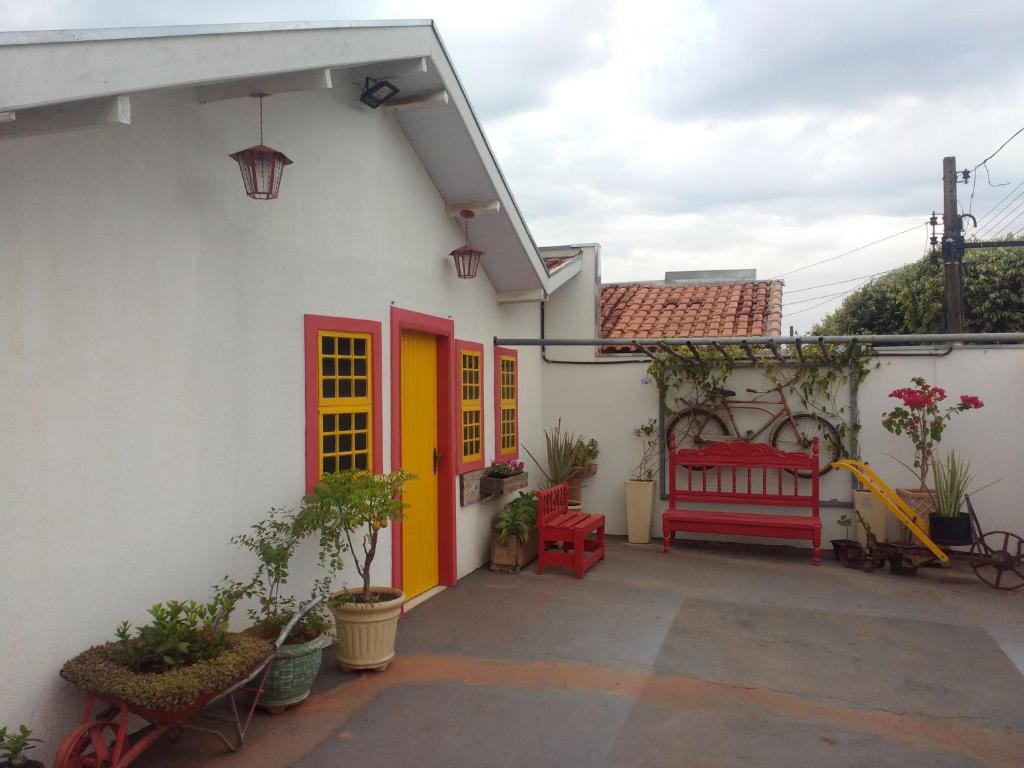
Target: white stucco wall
x: 151, y: 353
x: 608, y: 401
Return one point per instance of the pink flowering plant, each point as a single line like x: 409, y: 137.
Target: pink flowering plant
x: 923, y: 420
x: 507, y: 468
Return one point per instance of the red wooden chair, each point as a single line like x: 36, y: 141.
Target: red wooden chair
x: 569, y: 531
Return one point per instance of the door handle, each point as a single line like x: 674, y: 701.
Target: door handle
x: 437, y: 459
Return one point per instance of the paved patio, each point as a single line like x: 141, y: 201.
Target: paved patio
x: 711, y: 656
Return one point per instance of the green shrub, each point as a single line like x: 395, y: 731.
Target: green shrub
x: 13, y: 745
x: 273, y: 541
x: 102, y: 669
x: 180, y: 634
x: 517, y: 518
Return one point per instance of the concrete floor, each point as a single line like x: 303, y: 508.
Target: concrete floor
x: 709, y: 656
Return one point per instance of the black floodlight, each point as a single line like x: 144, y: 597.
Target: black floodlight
x: 377, y: 92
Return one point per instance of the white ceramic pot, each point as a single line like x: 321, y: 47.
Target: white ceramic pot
x: 639, y: 503
x: 366, y: 631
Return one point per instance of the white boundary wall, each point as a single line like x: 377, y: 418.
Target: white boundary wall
x: 608, y: 402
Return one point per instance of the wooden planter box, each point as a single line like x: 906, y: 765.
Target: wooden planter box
x: 513, y: 556
x: 497, y: 486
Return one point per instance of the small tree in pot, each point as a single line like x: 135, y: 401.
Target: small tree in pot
x: 273, y: 541
x: 348, y: 510
x: 640, y: 485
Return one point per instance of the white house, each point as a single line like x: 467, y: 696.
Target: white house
x: 175, y: 357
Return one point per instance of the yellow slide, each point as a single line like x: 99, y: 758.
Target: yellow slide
x: 913, y: 521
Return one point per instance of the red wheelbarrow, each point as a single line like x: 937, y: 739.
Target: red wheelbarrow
x: 103, y: 741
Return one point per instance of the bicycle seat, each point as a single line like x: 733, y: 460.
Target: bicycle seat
x: 726, y: 392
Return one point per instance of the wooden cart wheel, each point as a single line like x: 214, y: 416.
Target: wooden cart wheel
x: 998, y: 559
x: 88, y: 747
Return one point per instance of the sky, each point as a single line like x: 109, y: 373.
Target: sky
x: 725, y: 134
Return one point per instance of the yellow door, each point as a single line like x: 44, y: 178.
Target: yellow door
x: 419, y: 442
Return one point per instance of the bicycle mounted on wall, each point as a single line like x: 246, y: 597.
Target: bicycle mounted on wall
x: 697, y: 425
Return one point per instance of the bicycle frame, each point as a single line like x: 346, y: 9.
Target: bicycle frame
x: 757, y: 404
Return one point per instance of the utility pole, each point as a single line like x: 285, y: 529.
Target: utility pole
x: 952, y: 251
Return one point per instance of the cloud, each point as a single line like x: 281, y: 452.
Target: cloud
x: 685, y: 134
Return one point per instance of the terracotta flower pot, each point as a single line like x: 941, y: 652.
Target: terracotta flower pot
x: 366, y: 631
x: 921, y: 500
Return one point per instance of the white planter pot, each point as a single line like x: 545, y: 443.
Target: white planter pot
x: 366, y: 631
x: 639, y: 503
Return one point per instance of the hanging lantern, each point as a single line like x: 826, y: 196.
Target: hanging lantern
x: 262, y: 167
x: 467, y: 258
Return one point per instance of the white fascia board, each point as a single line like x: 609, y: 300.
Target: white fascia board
x: 63, y: 71
x: 565, y: 273
x: 459, y: 99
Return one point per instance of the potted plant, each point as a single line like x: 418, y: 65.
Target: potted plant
x: 585, y: 466
x: 503, y: 477
x: 562, y: 447
x: 921, y: 418
x: 949, y: 526
x: 514, y: 540
x: 169, y: 668
x: 640, y: 486
x: 13, y: 747
x: 343, y: 508
x: 845, y: 522
x: 297, y: 662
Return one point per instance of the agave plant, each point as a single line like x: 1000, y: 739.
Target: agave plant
x: 952, y: 479
x: 563, y: 451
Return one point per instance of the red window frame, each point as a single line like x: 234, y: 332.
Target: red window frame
x: 312, y: 325
x: 500, y: 352
x: 460, y: 347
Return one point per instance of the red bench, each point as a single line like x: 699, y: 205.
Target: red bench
x: 569, y: 531
x: 742, y: 473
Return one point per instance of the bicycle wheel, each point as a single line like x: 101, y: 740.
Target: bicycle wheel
x: 696, y: 428
x: 809, y: 426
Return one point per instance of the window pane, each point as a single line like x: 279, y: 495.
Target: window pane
x: 361, y: 461
x: 327, y: 345
x: 360, y: 421
x: 343, y: 346
x: 344, y: 388
x: 359, y: 347
x: 328, y: 387
x: 328, y: 422
x: 330, y: 465
x: 360, y: 387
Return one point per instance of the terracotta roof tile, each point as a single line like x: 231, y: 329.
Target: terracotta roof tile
x: 645, y: 311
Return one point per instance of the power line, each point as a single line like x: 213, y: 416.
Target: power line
x: 823, y: 296
x: 989, y: 211
x: 991, y: 227
x: 1017, y: 133
x: 1008, y: 230
x: 846, y: 253
x: 808, y: 309
x: 841, y: 282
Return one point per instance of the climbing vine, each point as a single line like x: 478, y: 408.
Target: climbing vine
x: 815, y: 375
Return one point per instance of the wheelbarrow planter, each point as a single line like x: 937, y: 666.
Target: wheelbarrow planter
x: 102, y: 738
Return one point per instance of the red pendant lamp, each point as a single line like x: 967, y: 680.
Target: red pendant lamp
x: 262, y: 167
x: 467, y: 258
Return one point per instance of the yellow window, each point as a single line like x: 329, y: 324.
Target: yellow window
x: 472, y: 407
x: 345, y: 403
x: 508, y: 405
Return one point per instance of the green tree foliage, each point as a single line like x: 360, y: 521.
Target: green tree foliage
x: 909, y: 299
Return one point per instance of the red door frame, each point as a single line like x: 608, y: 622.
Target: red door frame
x: 444, y: 330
